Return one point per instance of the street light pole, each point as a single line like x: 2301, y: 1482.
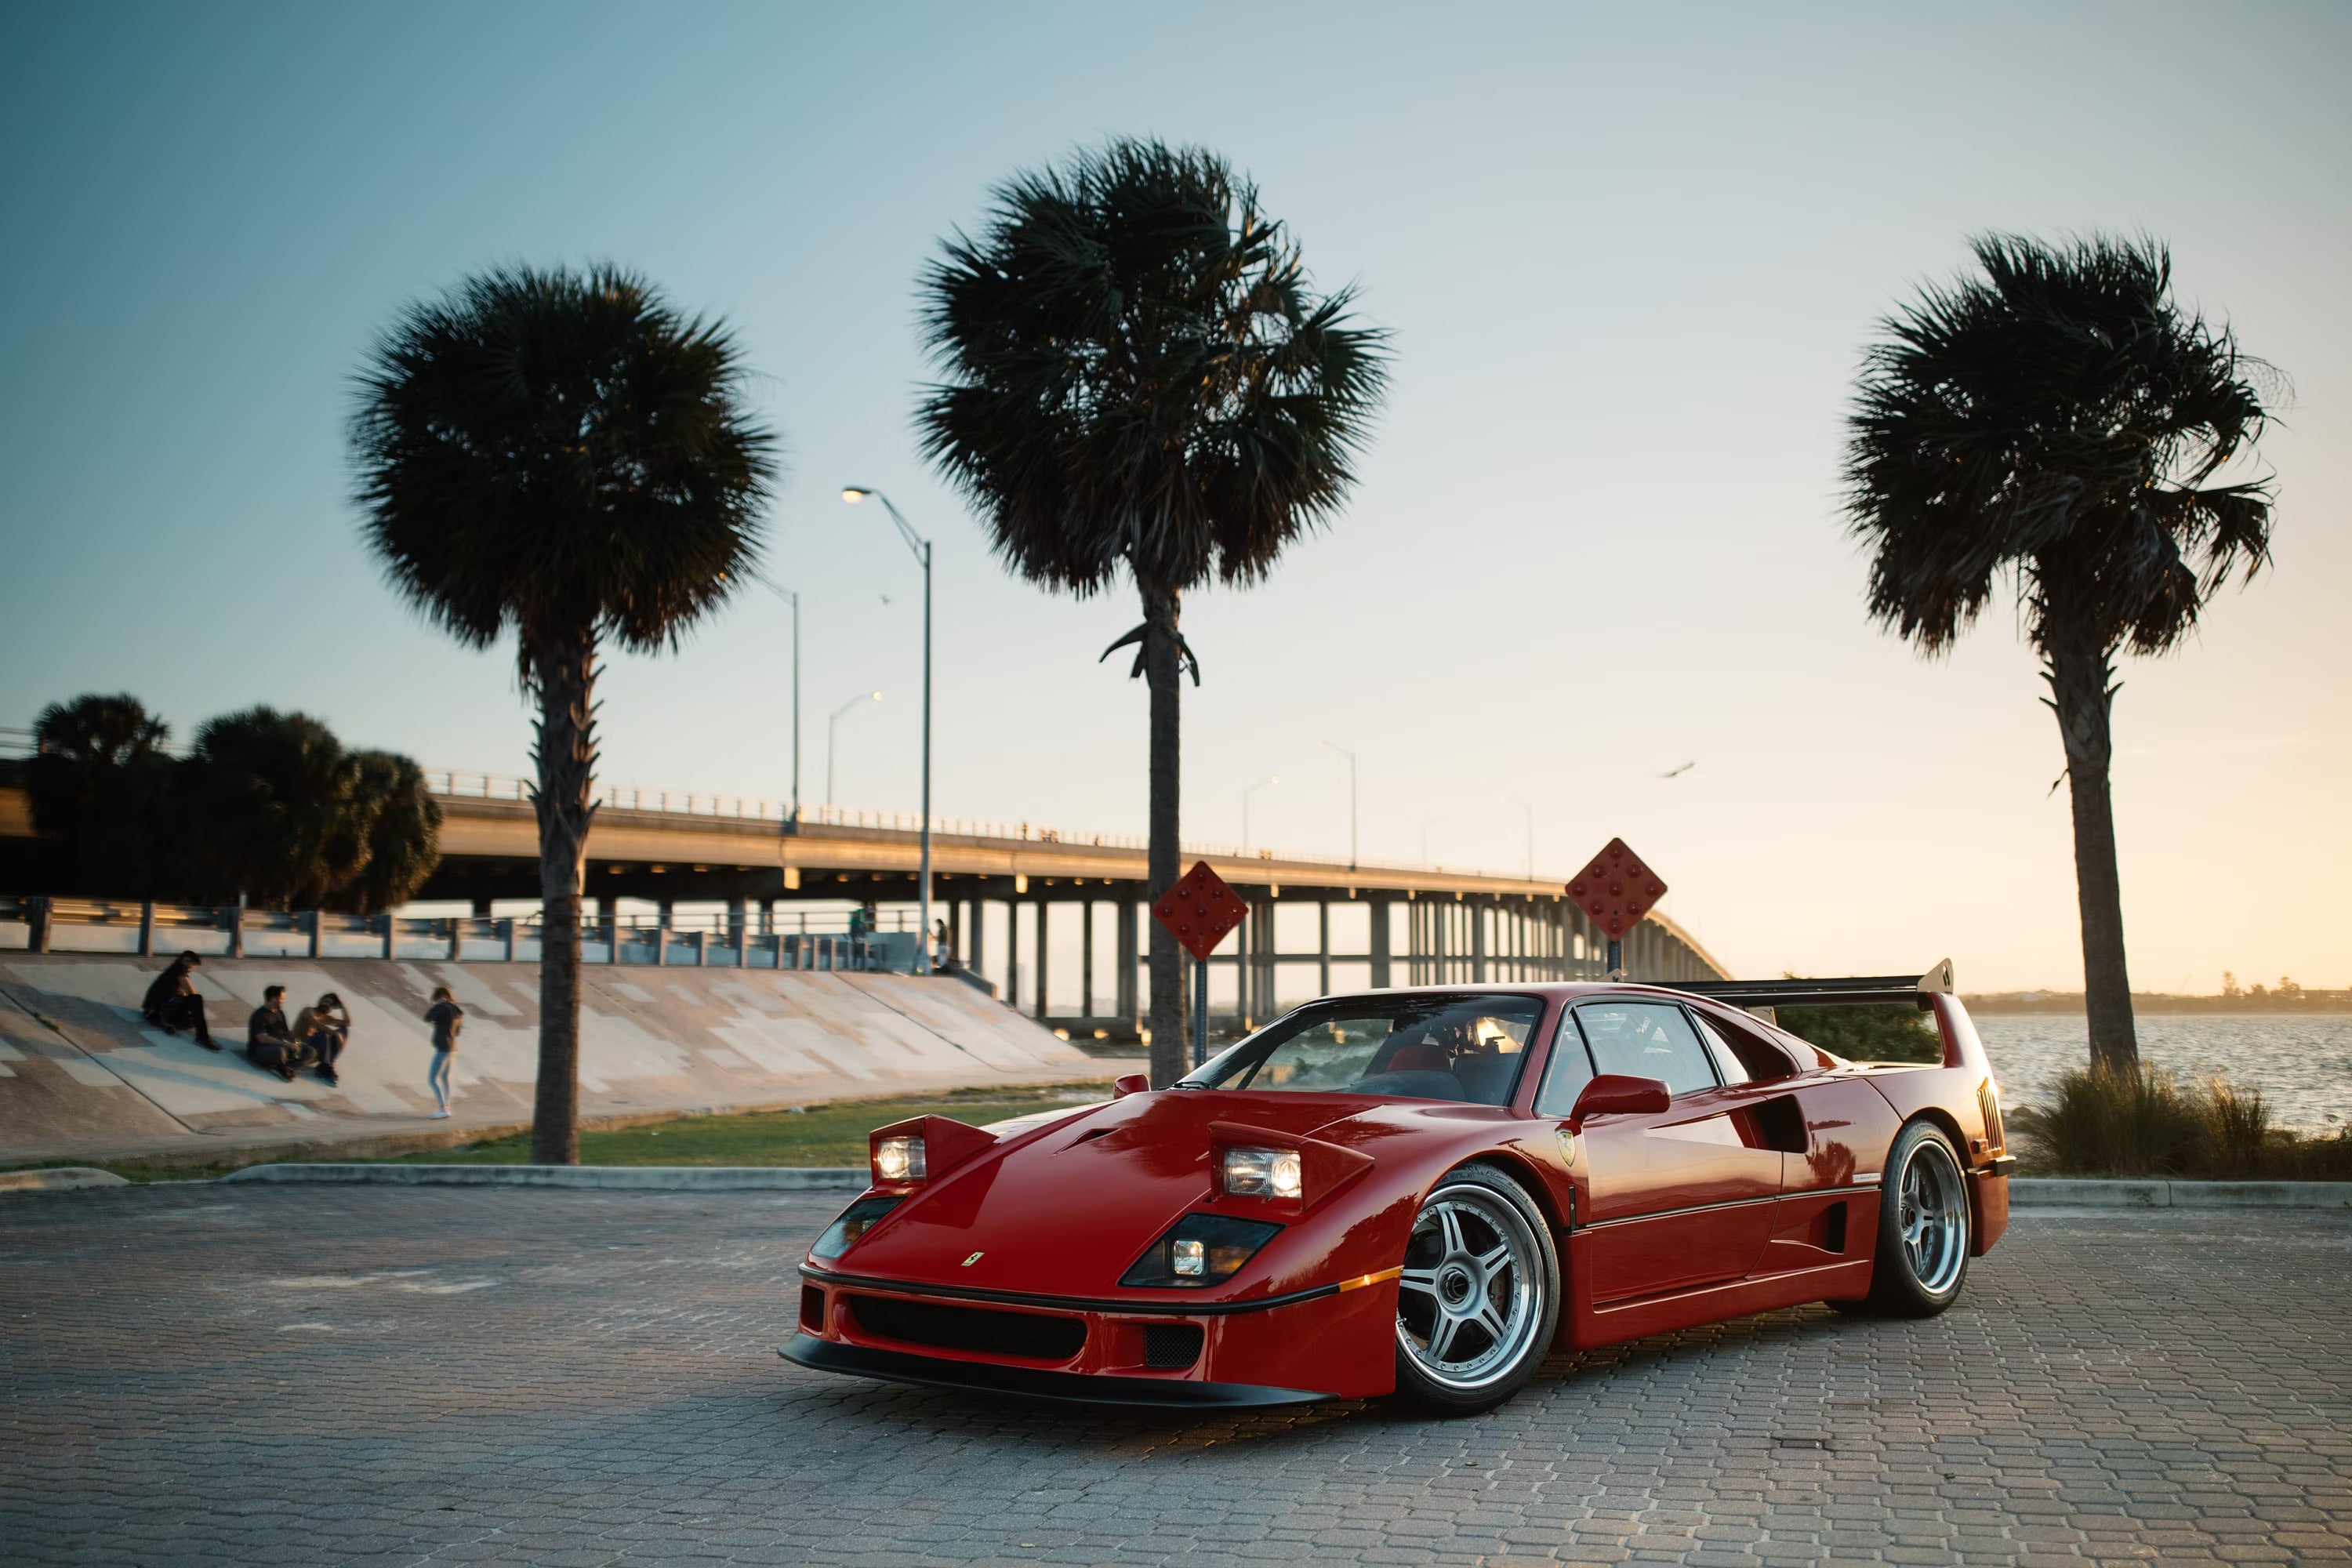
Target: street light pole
x: 833, y: 736
x: 792, y: 598
x: 1245, y: 795
x: 921, y: 547
x: 1351, y: 797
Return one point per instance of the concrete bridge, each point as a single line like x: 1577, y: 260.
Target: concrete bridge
x: 1054, y: 918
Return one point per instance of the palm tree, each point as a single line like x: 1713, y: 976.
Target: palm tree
x: 100, y: 782
x: 404, y: 832
x: 1140, y: 380
x: 564, y: 455
x: 271, y: 804
x: 2061, y: 423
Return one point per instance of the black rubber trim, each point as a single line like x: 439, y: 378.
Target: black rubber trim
x: 1071, y: 1387
x: 2000, y: 1167
x: 1868, y: 1186
x: 1071, y: 1303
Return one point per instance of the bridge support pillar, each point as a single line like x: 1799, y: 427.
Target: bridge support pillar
x: 1086, y: 958
x: 1378, y: 946
x: 1127, y: 958
x: 1323, y: 947
x: 1044, y: 942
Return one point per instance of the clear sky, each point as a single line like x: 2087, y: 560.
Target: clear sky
x: 1630, y: 255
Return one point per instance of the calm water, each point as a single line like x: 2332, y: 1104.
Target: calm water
x: 2303, y: 1064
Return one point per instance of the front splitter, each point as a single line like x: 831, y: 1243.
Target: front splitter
x: 1072, y: 1388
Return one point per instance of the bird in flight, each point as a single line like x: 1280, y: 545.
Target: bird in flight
x: 1678, y: 772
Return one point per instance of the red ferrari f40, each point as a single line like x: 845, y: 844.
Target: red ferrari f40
x: 1421, y: 1193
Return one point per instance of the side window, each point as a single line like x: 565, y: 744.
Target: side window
x: 1646, y: 1040
x: 1569, y: 1071
x: 1727, y: 1060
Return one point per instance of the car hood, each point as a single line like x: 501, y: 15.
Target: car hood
x: 1067, y: 1209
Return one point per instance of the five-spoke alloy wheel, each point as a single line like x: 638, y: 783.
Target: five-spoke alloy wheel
x: 1478, y: 1302
x: 1923, y: 1226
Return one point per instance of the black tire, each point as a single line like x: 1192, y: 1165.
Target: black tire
x: 1924, y: 1227
x: 1479, y: 1302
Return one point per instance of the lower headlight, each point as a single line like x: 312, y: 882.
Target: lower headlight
x: 1261, y: 1173
x: 856, y: 1221
x: 1199, y: 1249
x: 898, y: 1159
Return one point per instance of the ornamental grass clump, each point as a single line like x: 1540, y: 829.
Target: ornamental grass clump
x: 2149, y: 1123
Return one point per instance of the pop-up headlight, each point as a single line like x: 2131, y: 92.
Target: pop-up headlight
x: 898, y: 1159
x: 1260, y: 1172
x: 1199, y: 1249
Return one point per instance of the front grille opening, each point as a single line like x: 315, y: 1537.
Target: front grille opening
x: 1032, y: 1336
x: 1170, y: 1347
x: 813, y: 1309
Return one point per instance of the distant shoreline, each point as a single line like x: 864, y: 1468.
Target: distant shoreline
x: 2293, y: 1004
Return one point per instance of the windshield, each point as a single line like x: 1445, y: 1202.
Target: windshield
x: 1409, y: 1046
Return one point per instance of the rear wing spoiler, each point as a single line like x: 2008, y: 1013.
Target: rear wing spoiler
x: 1861, y: 989
x: 1933, y: 992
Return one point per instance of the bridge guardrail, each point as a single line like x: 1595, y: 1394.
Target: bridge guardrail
x: 38, y: 924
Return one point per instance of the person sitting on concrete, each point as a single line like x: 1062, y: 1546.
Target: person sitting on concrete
x: 321, y: 1031
x: 172, y: 1003
x: 269, y: 1043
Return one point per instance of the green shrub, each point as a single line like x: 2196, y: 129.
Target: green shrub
x: 1891, y: 1032
x: 2149, y: 1123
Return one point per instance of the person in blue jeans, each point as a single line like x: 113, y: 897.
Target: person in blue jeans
x: 447, y: 1018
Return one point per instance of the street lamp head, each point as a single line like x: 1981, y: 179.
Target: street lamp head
x: 878, y: 697
x: 853, y: 494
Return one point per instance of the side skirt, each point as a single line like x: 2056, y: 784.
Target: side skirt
x: 1584, y: 1327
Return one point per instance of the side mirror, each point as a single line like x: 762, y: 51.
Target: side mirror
x: 1616, y: 1094
x: 1133, y: 1083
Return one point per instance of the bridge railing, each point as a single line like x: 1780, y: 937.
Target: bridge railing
x: 453, y: 785
x: 822, y: 941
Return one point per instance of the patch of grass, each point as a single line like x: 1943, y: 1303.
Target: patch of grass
x: 2149, y: 1123
x: 831, y: 1134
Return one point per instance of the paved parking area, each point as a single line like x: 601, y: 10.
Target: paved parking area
x: 332, y: 1374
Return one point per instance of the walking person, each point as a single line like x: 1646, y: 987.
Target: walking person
x: 321, y: 1031
x: 172, y: 1003
x: 447, y: 1018
x: 269, y: 1043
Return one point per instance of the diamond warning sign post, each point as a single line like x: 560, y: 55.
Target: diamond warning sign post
x: 1198, y: 911
x: 1616, y: 890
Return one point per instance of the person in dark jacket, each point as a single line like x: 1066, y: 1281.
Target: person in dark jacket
x: 173, y: 1005
x: 269, y: 1043
x: 447, y: 1018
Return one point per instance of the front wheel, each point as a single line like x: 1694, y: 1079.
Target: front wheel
x: 1923, y: 1226
x: 1478, y: 1302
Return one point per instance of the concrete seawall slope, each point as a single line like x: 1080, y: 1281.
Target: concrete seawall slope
x: 83, y: 1076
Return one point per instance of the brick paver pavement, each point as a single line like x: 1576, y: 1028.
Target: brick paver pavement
x: 329, y: 1374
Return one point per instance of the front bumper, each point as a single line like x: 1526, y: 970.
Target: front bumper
x: 1076, y: 1388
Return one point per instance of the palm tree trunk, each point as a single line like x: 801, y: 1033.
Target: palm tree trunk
x: 2082, y: 687
x: 1160, y: 671
x: 566, y: 668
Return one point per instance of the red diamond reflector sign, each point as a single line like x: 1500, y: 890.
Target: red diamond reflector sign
x: 1616, y: 888
x: 1199, y: 910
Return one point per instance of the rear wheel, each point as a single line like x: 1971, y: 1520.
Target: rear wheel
x: 1478, y: 1302
x: 1923, y: 1226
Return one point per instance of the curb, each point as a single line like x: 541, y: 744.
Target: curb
x: 65, y: 1179
x: 2092, y: 1192
x: 593, y: 1178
